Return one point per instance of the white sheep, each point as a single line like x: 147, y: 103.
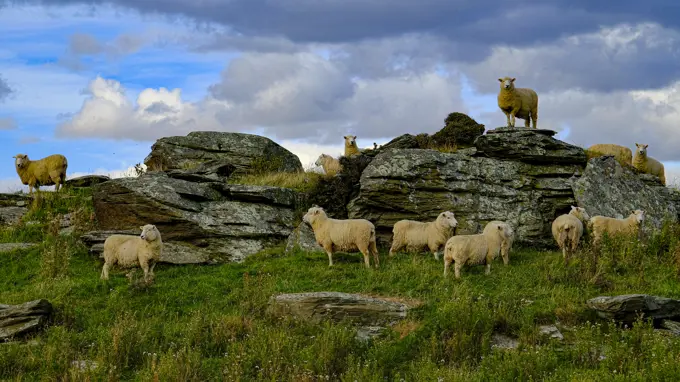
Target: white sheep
x: 621, y: 153
x: 416, y: 235
x: 648, y: 165
x: 48, y: 171
x: 351, y: 147
x: 482, y: 248
x: 567, y: 230
x: 517, y: 102
x: 342, y: 235
x: 129, y: 251
x: 331, y: 166
x: 598, y: 225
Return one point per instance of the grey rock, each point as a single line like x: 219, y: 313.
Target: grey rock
x: 215, y: 170
x: 246, y: 152
x: 303, y: 238
x: 550, y: 331
x: 18, y: 320
x: 626, y: 308
x: 199, y: 222
x: 501, y: 341
x: 13, y: 207
x: 671, y: 326
x: 529, y: 145
x: 86, y: 181
x: 9, y: 247
x: 608, y: 189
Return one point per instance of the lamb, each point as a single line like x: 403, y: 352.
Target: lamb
x: 598, y: 225
x: 48, y: 171
x: 622, y: 154
x: 567, y: 230
x: 351, y: 147
x: 342, y: 235
x: 417, y: 235
x: 647, y: 164
x: 129, y: 251
x: 483, y: 248
x: 517, y: 102
x: 330, y: 165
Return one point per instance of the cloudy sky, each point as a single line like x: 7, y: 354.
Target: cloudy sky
x: 100, y: 81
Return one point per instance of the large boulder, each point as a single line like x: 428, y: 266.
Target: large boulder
x: 18, y: 320
x: 86, y: 181
x: 530, y: 146
x: 627, y: 308
x: 203, y: 222
x: 476, y: 185
x: 459, y: 131
x: 608, y: 189
x: 246, y: 152
x: 13, y: 207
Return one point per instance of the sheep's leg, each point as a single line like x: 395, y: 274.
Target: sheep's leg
x: 534, y: 117
x: 105, y: 271
x: 395, y: 248
x: 447, y: 263
x: 434, y: 249
x: 364, y: 251
x: 145, y: 267
x: 329, y: 251
x: 507, y: 116
x: 456, y: 269
x: 376, y: 257
x: 526, y: 122
x: 506, y: 255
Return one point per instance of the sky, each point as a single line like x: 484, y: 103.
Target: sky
x: 100, y: 81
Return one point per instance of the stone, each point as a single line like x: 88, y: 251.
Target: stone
x: 606, y: 188
x: 18, y: 320
x: 215, y: 170
x: 246, y: 152
x: 9, y: 247
x: 626, y: 308
x: 86, y: 181
x: 529, y: 145
x: 671, y: 326
x: 419, y: 184
x: 13, y: 207
x: 302, y: 238
x: 459, y: 131
x: 501, y: 341
x: 199, y: 222
x: 550, y: 331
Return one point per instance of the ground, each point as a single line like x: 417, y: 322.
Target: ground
x: 209, y: 322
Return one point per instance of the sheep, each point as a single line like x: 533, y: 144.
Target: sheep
x: 416, y: 235
x: 351, y: 147
x: 647, y: 164
x: 342, y: 235
x: 330, y: 165
x: 517, y: 102
x: 129, y: 251
x: 48, y: 171
x: 622, y: 154
x: 598, y: 225
x: 567, y: 230
x: 482, y: 248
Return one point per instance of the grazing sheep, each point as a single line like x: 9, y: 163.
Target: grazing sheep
x: 48, y: 171
x: 417, y: 235
x: 567, y: 230
x: 622, y: 154
x: 479, y: 249
x: 351, y: 147
x: 598, y: 225
x: 342, y: 235
x: 129, y: 251
x: 647, y: 164
x: 517, y: 102
x: 330, y: 165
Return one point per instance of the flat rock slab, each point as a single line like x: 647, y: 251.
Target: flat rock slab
x: 529, y: 145
x: 17, y: 320
x: 86, y: 181
x: 9, y: 247
x: 626, y: 308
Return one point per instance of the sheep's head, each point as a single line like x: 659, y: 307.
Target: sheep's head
x: 149, y: 232
x: 580, y: 213
x: 20, y: 160
x: 505, y: 231
x: 312, y: 214
x: 446, y: 219
x: 507, y: 83
x: 639, y: 215
x: 321, y: 159
x: 641, y: 149
x: 350, y: 140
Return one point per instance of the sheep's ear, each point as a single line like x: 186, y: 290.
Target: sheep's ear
x: 141, y: 227
x: 500, y: 80
x: 512, y: 80
x: 646, y: 146
x: 499, y: 228
x: 355, y: 137
x: 637, y: 144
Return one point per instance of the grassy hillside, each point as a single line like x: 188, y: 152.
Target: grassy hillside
x: 209, y: 323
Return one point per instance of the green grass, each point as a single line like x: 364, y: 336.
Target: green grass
x: 298, y: 181
x: 198, y: 323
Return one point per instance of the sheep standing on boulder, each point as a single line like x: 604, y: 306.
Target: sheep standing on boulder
x: 48, y: 171
x: 622, y: 154
x: 648, y: 165
x: 331, y: 166
x: 567, y: 230
x: 417, y: 235
x: 343, y: 235
x: 129, y: 251
x: 598, y: 225
x: 351, y: 147
x: 482, y: 248
x: 517, y: 102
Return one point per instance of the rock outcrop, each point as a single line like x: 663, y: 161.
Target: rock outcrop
x: 608, y: 189
x: 13, y: 207
x: 199, y: 222
x: 516, y: 175
x: 303, y: 239
x: 246, y: 152
x: 627, y: 308
x: 86, y: 181
x: 18, y: 320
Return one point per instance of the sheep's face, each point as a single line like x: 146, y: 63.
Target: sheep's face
x: 506, y: 232
x: 446, y: 219
x: 507, y: 83
x: 312, y: 214
x: 319, y: 160
x: 580, y: 213
x: 350, y: 140
x: 149, y: 232
x: 641, y: 149
x: 20, y: 160
x: 639, y: 215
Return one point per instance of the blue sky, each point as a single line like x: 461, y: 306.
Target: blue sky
x: 76, y: 74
